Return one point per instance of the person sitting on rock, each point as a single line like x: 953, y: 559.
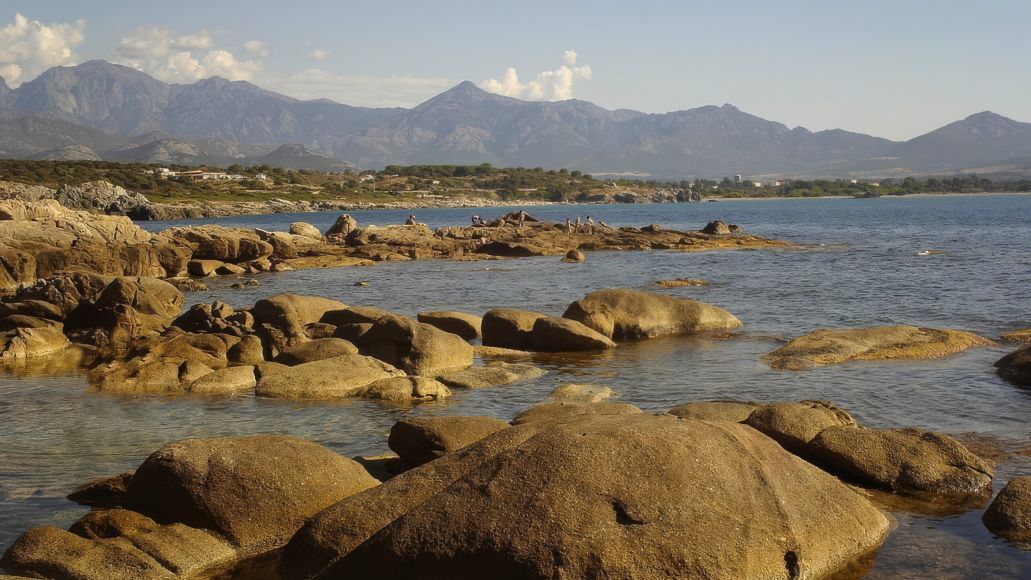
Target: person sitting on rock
x: 603, y: 225
x: 477, y: 221
x: 411, y: 220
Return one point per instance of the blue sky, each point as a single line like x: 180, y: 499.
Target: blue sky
x: 893, y: 69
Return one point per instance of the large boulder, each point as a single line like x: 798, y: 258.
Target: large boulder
x: 634, y: 314
x: 465, y: 325
x: 26, y: 343
x: 794, y: 425
x: 227, y: 381
x: 493, y: 374
x: 164, y: 364
x: 416, y: 348
x: 341, y: 228
x: 341, y: 376
x: 509, y: 328
x: 306, y: 230
x: 281, y: 319
x: 419, y: 440
x: 1016, y: 366
x: 659, y: 496
x: 827, y: 346
x: 1009, y: 514
x: 317, y: 349
x: 553, y: 334
x: 907, y: 461
x: 406, y: 390
x: 255, y: 491
x: 127, y: 308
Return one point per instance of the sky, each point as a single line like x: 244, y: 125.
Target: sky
x: 894, y: 69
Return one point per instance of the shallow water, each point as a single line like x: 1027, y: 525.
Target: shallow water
x: 860, y: 267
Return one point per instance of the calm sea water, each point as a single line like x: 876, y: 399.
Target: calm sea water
x: 861, y: 267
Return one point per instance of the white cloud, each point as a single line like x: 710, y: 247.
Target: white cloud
x: 548, y: 85
x: 359, y: 90
x: 318, y: 55
x: 257, y: 48
x: 29, y: 47
x: 187, y: 58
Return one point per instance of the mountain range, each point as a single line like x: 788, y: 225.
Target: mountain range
x: 100, y: 110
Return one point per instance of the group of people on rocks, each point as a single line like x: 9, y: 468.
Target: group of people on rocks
x: 585, y: 226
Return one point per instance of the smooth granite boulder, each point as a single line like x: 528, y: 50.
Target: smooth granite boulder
x: 418, y: 349
x: 634, y: 314
x: 419, y: 440
x: 465, y: 325
x: 554, y: 334
x: 332, y: 378
x: 509, y: 328
x: 1009, y: 515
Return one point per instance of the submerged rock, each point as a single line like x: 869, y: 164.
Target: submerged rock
x: 406, y: 390
x: 826, y: 346
x: 1009, y: 515
x: 493, y: 374
x: 517, y: 504
x: 633, y: 314
x: 574, y: 257
x: 581, y: 393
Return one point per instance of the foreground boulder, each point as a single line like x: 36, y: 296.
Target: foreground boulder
x: 509, y: 328
x: 1010, y: 512
x: 417, y: 348
x: 907, y: 461
x: 1016, y: 366
x: 193, y: 506
x: 338, y: 377
x: 255, y: 490
x: 633, y: 314
x: 419, y: 440
x: 666, y: 501
x: 826, y: 346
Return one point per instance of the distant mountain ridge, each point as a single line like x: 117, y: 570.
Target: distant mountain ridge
x: 99, y: 109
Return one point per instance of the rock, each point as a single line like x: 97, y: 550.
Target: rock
x: 104, y: 492
x: 281, y: 319
x: 229, y: 270
x: 826, y: 346
x: 681, y: 282
x: 203, y: 268
x: 127, y: 308
x: 354, y: 315
x: 505, y: 516
x: 419, y: 440
x: 227, y: 381
x: 1016, y: 366
x: 25, y: 343
x: 1023, y: 336
x: 54, y: 553
x: 316, y: 349
x: 352, y: 332
x: 344, y: 225
x: 511, y: 249
x: 305, y: 229
x: 181, y: 549
x: 187, y: 284
x: 716, y: 228
x: 574, y: 257
x: 406, y: 390
x: 493, y: 374
x: 633, y: 314
x: 417, y: 348
x: 1009, y: 515
x: 215, y: 317
x: 247, y: 352
x: 553, y: 334
x: 580, y: 393
x: 736, y: 411
x: 163, y: 364
x: 256, y: 490
x: 343, y: 376
x: 57, y: 297
x: 16, y: 321
x: 317, y: 330
x: 465, y: 325
x: 794, y: 425
x: 509, y: 328
x: 499, y: 352
x: 906, y: 461
x: 220, y: 243
x: 563, y: 412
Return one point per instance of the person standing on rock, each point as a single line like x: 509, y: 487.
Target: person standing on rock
x: 590, y: 225
x: 569, y: 226
x: 521, y: 218
x: 577, y: 225
x: 411, y: 220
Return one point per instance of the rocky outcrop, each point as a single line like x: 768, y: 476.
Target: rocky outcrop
x: 907, y: 461
x: 163, y: 364
x: 633, y: 314
x: 490, y: 509
x: 1016, y: 366
x: 826, y: 346
x: 193, y: 506
x: 220, y: 243
x: 509, y: 328
x: 419, y: 440
x: 417, y: 348
x: 465, y: 325
x: 1009, y: 515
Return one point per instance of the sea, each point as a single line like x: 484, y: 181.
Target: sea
x: 961, y: 261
